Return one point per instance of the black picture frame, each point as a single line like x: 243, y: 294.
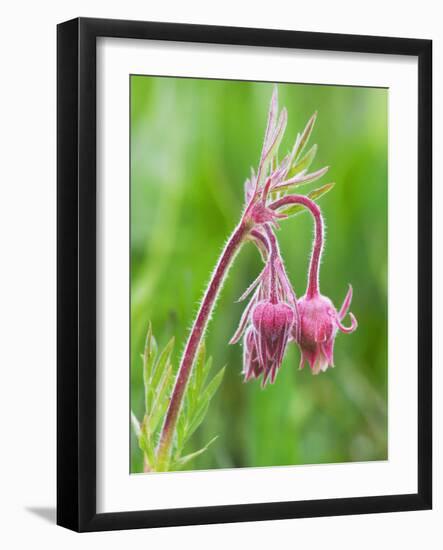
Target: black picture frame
x: 76, y: 273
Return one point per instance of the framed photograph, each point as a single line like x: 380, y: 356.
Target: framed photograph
x: 244, y: 274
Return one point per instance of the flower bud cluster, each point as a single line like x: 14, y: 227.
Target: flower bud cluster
x: 274, y: 316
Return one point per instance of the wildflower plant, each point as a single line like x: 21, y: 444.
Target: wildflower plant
x: 176, y: 402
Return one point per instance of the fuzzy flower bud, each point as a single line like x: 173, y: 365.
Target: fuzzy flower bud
x: 272, y: 323
x: 319, y: 323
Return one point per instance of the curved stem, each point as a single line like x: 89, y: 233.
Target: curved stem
x: 261, y: 238
x: 194, y: 340
x: 261, y: 243
x: 274, y: 254
x: 313, y: 288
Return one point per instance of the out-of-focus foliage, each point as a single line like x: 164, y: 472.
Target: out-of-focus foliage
x: 192, y: 145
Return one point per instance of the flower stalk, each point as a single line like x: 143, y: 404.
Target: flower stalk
x: 319, y: 320
x: 313, y: 288
x: 195, y: 337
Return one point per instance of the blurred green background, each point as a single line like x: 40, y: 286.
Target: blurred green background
x: 192, y: 145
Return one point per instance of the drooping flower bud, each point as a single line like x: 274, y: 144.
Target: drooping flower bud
x: 272, y: 323
x: 319, y: 323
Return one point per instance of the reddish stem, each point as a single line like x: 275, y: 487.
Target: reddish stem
x: 313, y: 288
x: 260, y: 237
x: 273, y: 259
x: 194, y: 340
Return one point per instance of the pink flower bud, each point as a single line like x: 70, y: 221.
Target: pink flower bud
x: 319, y: 322
x: 271, y: 325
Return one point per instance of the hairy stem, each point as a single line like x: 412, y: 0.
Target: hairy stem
x: 194, y: 340
x: 313, y: 288
x: 260, y: 238
x: 274, y: 254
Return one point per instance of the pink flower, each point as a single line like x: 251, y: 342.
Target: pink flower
x: 270, y: 316
x: 319, y: 323
x: 273, y: 314
x: 271, y: 327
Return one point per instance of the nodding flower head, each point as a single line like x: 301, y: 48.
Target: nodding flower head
x: 273, y: 314
x: 319, y: 323
x: 270, y: 317
x: 271, y: 327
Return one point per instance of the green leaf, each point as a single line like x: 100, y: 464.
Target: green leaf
x: 200, y: 367
x: 146, y: 443
x: 181, y: 430
x: 304, y: 163
x: 203, y: 405
x: 161, y: 399
x: 195, y: 384
x: 213, y: 385
x: 149, y: 355
x: 295, y: 209
x: 178, y: 463
x: 206, y: 370
x: 161, y: 364
x: 304, y: 138
x: 159, y: 377
x: 198, y: 378
x: 197, y: 419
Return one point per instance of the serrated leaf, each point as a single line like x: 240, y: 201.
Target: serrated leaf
x: 181, y: 431
x: 161, y: 400
x: 304, y: 138
x: 149, y: 355
x: 203, y: 404
x: 213, y: 385
x: 184, y: 459
x: 304, y: 163
x: 162, y: 363
x: 200, y: 366
x: 295, y: 209
x: 196, y: 382
x: 206, y: 370
x: 146, y: 444
x: 197, y: 419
